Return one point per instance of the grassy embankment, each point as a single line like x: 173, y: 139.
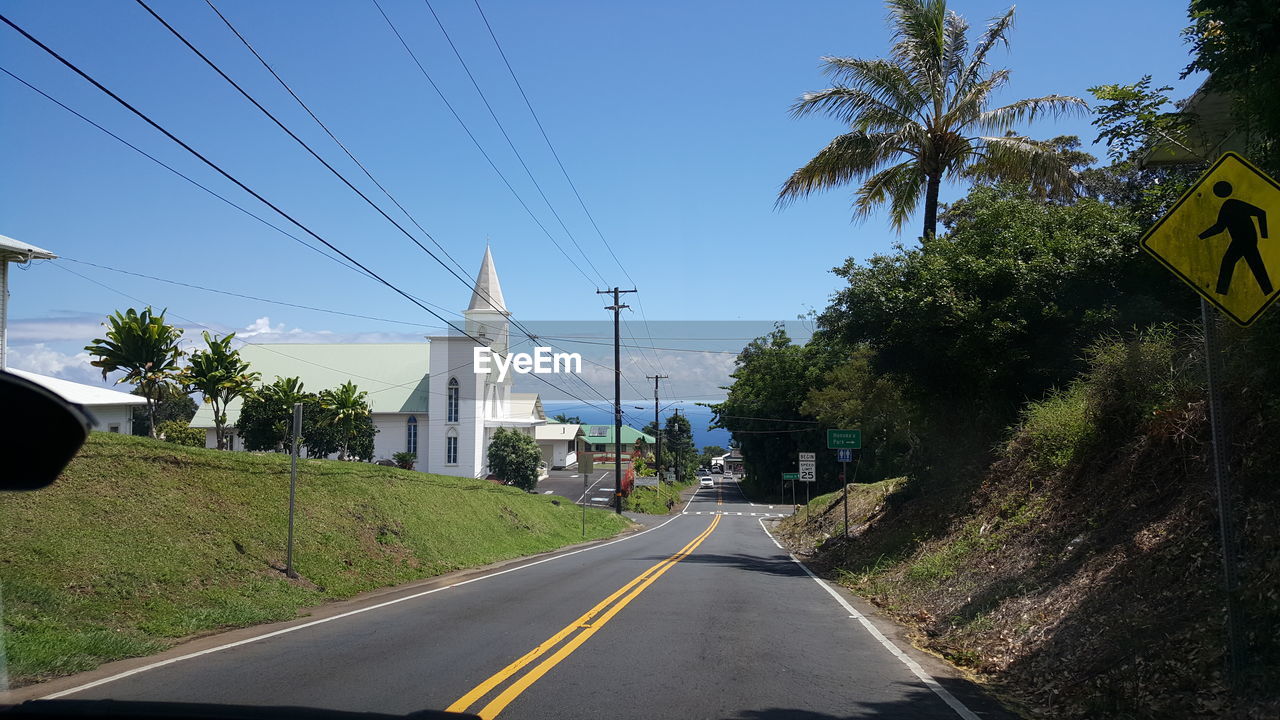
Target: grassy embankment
x: 654, y: 500
x: 141, y: 542
x: 1080, y: 575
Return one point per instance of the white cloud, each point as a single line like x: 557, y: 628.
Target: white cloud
x: 83, y: 328
x: 44, y: 360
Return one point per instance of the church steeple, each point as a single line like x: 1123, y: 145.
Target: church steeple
x: 487, y: 294
x: 487, y: 318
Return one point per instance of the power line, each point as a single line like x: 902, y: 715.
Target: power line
x: 511, y: 144
x: 328, y: 132
x: 67, y: 63
x: 565, y: 172
x: 249, y: 297
x: 547, y: 138
x: 479, y: 147
x: 259, y: 197
x: 171, y: 169
x: 303, y: 143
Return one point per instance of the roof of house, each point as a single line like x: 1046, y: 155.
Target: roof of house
x: 527, y: 406
x: 603, y: 434
x: 16, y: 250
x: 556, y: 431
x: 394, y: 375
x: 89, y: 395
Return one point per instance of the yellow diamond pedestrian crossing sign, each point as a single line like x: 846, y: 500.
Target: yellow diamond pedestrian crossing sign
x: 1216, y: 238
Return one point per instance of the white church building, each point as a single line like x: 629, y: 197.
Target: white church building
x: 426, y: 398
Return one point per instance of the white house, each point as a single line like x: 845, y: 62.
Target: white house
x: 426, y: 398
x: 111, y: 408
x: 558, y: 443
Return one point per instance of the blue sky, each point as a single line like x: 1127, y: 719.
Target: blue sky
x: 671, y: 117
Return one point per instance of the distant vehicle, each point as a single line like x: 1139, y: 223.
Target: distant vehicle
x: 717, y: 469
x: 706, y: 481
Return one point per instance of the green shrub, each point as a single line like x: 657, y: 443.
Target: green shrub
x: 176, y: 431
x: 405, y: 460
x: 1058, y: 426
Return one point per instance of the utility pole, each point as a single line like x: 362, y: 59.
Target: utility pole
x: 657, y: 432
x: 617, y: 308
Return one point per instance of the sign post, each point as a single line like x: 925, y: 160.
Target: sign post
x: 1202, y: 240
x: 792, y: 477
x: 843, y: 456
x: 293, y: 484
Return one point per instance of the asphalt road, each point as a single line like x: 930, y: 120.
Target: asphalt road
x: 597, y: 492
x: 701, y: 616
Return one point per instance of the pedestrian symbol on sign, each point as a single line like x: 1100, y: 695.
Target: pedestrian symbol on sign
x: 1236, y: 218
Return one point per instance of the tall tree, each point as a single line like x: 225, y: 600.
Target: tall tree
x: 264, y: 416
x: 173, y: 404
x: 923, y: 115
x: 347, y: 409
x: 220, y: 375
x: 145, y: 348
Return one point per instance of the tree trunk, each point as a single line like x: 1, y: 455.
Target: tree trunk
x: 219, y: 433
x: 151, y: 414
x: 931, y: 206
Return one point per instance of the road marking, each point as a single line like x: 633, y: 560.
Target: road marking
x: 604, y: 499
x: 691, y: 497
x: 588, y: 624
x: 911, y: 664
x: 349, y: 613
x: 603, y: 475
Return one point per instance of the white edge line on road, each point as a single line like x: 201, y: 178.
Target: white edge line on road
x: 691, y: 497
x: 313, y: 623
x: 603, y: 475
x: 911, y: 664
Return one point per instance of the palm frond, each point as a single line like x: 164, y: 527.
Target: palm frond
x: 851, y: 106
x: 900, y: 184
x: 964, y: 106
x: 955, y: 47
x: 1024, y: 160
x: 1026, y: 110
x: 846, y: 158
x: 919, y: 38
x: 882, y: 79
x: 996, y: 34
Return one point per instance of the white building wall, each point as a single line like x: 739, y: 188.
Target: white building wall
x: 120, y: 416
x: 393, y: 436
x: 452, y: 358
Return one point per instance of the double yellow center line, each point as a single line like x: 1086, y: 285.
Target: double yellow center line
x: 580, y: 630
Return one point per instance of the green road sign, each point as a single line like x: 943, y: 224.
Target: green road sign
x: 791, y: 476
x: 844, y: 439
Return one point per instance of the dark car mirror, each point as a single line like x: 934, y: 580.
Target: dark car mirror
x: 39, y: 433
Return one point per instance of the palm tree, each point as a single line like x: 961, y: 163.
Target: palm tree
x: 220, y: 376
x: 922, y: 116
x: 346, y: 407
x: 146, y: 348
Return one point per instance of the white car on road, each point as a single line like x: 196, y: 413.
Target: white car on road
x: 706, y: 481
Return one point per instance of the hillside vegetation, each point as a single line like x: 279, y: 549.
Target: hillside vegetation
x: 142, y: 542
x: 1081, y: 573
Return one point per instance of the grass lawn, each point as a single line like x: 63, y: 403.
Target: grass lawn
x: 141, y: 542
x: 655, y: 501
